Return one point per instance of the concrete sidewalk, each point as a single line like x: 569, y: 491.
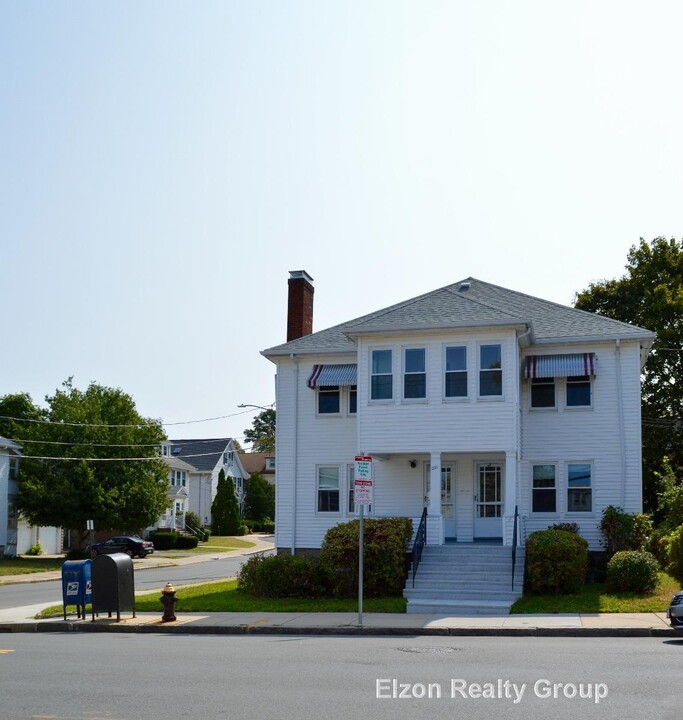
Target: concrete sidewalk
x: 572, y: 625
x: 163, y: 558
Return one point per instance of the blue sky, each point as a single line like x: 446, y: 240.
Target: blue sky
x: 163, y: 165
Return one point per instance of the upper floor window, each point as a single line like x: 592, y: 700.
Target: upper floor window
x: 579, y: 490
x: 13, y: 468
x: 270, y: 463
x: 328, y: 488
x: 414, y: 374
x: 456, y: 372
x: 381, y: 377
x: 578, y: 391
x: 543, y: 393
x: 490, y: 372
x: 544, y: 493
x: 329, y: 400
x: 227, y: 458
x: 178, y: 478
x: 353, y: 400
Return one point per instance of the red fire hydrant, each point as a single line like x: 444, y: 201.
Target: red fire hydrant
x: 168, y: 600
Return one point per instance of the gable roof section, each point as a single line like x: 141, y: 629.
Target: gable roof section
x: 468, y: 303
x: 202, y: 455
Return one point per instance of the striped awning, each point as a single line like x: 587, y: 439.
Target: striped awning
x: 329, y: 375
x: 545, y: 366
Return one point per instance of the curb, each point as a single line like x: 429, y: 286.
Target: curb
x: 89, y: 627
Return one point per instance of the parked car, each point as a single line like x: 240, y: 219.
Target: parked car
x: 675, y: 611
x: 130, y: 544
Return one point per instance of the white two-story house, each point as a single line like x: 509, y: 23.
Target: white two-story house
x: 475, y: 402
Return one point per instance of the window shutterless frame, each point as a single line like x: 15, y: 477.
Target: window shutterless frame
x: 381, y: 374
x: 328, y: 490
x: 328, y: 400
x: 455, y: 372
x: 542, y: 392
x: 544, y: 488
x: 490, y: 370
x: 579, y: 487
x: 579, y: 391
x: 414, y: 373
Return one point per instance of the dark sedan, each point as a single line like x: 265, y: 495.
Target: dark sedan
x: 130, y: 544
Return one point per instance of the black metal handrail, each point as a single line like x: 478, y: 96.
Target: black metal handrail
x: 419, y: 542
x: 514, y: 546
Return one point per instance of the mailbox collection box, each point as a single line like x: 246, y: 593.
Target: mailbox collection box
x: 76, y: 585
x: 113, y: 584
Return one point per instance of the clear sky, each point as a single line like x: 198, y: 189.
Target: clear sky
x: 163, y: 165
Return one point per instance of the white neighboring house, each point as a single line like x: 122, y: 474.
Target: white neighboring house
x: 475, y: 402
x: 194, y: 466
x: 16, y: 535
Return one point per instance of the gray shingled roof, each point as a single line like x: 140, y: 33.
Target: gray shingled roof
x: 202, y: 455
x: 480, y: 304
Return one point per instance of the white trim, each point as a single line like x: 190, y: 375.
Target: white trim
x: 501, y: 345
x: 329, y: 513
x: 455, y: 398
x: 579, y: 513
x: 382, y: 401
x: 558, y: 494
x: 417, y: 400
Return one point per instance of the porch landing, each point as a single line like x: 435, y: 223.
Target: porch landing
x: 465, y: 579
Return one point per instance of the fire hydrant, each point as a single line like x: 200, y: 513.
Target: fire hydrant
x: 168, y: 600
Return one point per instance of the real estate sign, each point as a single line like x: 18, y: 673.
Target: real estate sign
x: 362, y: 480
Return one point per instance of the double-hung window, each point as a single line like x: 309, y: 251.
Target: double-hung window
x: 456, y: 372
x: 490, y: 372
x: 381, y: 376
x: 578, y: 391
x: 543, y: 392
x: 414, y: 374
x: 353, y: 400
x: 544, y: 490
x: 579, y: 487
x: 329, y: 400
x: 328, y: 489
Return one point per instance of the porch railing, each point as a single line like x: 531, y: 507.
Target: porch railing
x: 514, y: 545
x: 419, y: 542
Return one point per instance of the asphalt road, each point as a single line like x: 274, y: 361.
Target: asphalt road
x: 145, y: 677
x: 152, y: 579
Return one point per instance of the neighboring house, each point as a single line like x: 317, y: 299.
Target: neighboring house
x: 16, y: 535
x: 194, y: 466
x: 475, y: 402
x: 260, y: 462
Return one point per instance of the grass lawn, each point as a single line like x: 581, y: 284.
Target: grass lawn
x: 595, y: 599
x: 225, y: 597
x: 23, y: 565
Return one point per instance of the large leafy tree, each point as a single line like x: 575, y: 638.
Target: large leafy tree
x: 261, y: 434
x: 225, y: 512
x: 260, y: 500
x: 91, y: 455
x: 650, y: 294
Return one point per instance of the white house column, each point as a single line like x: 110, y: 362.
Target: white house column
x: 434, y: 519
x: 510, y: 499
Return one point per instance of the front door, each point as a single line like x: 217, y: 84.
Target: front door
x: 447, y: 497
x: 488, y: 501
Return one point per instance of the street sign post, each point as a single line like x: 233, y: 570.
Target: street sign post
x: 362, y: 495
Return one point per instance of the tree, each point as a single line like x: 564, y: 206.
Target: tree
x: 650, y: 295
x: 92, y: 456
x: 261, y: 434
x: 260, y: 501
x: 225, y: 512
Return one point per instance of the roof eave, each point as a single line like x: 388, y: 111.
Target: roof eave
x: 392, y: 330
x: 287, y: 352
x: 647, y: 337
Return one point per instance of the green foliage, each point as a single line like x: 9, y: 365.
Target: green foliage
x: 670, y: 497
x: 261, y: 434
x: 165, y: 540
x: 78, y: 554
x: 632, y: 571
x: 192, y: 520
x: 624, y: 531
x: 260, y: 500
x: 265, y: 526
x: 556, y: 562
x: 658, y: 545
x: 566, y: 526
x: 280, y: 576
x: 35, y: 550
x: 650, y: 295
x: 225, y: 511
x: 675, y: 566
x: 384, y: 560
x: 67, y: 493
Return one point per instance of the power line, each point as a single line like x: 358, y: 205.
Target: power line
x: 113, y: 445
x: 112, y: 459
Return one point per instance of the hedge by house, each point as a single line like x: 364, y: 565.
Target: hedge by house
x: 172, y: 540
x: 280, y: 576
x: 385, y: 549
x: 556, y: 562
x: 632, y: 571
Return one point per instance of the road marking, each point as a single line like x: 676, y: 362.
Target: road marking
x: 4, y: 652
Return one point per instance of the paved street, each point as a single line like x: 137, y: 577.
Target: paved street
x: 137, y: 677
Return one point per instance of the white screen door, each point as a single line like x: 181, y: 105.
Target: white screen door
x: 488, y: 501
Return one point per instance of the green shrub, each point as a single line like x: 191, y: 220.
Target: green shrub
x: 675, y: 559
x: 556, y: 562
x: 632, y: 571
x: 283, y: 575
x: 268, y: 526
x: 624, y: 531
x: 192, y: 520
x: 186, y: 542
x: 78, y: 554
x: 34, y: 550
x: 163, y: 539
x: 658, y: 545
x: 224, y: 508
x: 384, y: 556
x: 567, y: 527
x: 207, y: 533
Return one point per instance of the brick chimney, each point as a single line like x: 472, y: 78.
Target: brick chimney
x: 299, y: 305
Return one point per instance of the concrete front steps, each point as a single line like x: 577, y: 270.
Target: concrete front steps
x: 465, y: 579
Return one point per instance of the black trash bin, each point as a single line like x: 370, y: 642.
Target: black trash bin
x: 113, y: 585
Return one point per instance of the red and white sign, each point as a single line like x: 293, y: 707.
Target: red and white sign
x: 362, y: 480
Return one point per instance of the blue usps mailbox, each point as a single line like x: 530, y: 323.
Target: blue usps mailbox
x: 77, y: 585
